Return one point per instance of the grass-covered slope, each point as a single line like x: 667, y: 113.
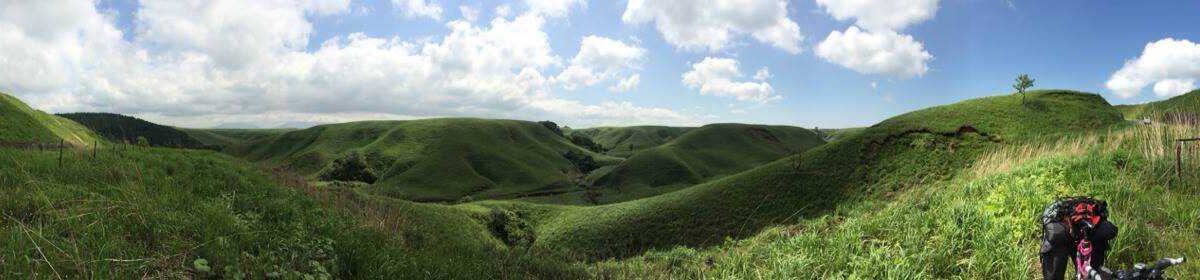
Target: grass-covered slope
x: 706, y: 152
x: 22, y: 124
x: 1187, y: 104
x: 121, y: 128
x: 168, y: 213
x: 236, y: 141
x: 435, y: 159
x: 624, y: 141
x: 980, y: 225
x: 902, y: 152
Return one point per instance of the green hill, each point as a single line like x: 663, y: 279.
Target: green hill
x: 23, y: 124
x: 236, y: 141
x: 909, y: 150
x: 624, y: 141
x: 1186, y: 105
x: 978, y: 225
x: 170, y: 213
x: 121, y: 128
x: 710, y: 151
x: 435, y: 159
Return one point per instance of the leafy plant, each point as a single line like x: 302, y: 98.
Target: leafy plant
x: 351, y: 167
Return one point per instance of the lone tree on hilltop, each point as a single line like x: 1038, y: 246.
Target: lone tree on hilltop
x: 1023, y: 83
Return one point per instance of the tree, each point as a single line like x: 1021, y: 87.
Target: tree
x: 552, y: 127
x: 1023, y: 82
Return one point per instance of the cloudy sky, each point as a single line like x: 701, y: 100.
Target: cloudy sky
x: 826, y: 63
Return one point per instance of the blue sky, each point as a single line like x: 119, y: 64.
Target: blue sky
x: 945, y: 52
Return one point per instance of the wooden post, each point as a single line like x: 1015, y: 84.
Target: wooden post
x: 95, y: 145
x: 1179, y: 152
x: 1178, y: 161
x: 60, y: 151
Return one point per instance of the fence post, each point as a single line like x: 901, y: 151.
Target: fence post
x: 61, y: 147
x: 1178, y: 160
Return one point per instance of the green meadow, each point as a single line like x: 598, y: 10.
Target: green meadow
x: 946, y: 192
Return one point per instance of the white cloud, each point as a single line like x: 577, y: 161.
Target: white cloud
x: 715, y: 76
x: 418, y: 9
x: 711, y: 25
x: 554, y: 8
x: 762, y: 75
x: 263, y: 71
x: 233, y: 33
x: 1168, y: 63
x: 626, y: 84
x: 870, y: 52
x: 1173, y: 87
x: 881, y: 15
x: 469, y: 13
x: 600, y: 59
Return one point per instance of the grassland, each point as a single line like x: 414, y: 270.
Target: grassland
x: 978, y: 225
x: 1188, y: 103
x: 153, y: 212
x: 23, y: 124
x: 909, y: 150
x: 624, y: 141
x: 436, y: 159
x: 947, y: 192
x: 706, y: 152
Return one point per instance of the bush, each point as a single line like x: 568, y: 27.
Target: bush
x: 552, y: 127
x: 583, y: 162
x: 585, y: 142
x: 508, y: 226
x: 352, y: 167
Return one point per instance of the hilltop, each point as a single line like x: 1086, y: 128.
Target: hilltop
x: 122, y: 128
x: 23, y: 124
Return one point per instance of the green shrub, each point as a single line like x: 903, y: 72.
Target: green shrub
x: 352, y: 167
x: 583, y: 162
x: 586, y: 142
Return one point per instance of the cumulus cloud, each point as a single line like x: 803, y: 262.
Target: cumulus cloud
x: 868, y: 52
x: 626, y: 84
x: 715, y: 76
x: 418, y: 9
x: 554, y: 8
x: 84, y: 63
x: 880, y: 15
x: 711, y: 25
x: 233, y: 33
x: 600, y: 59
x: 1172, y: 65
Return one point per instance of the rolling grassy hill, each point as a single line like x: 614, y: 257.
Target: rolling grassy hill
x: 900, y: 153
x: 235, y: 141
x: 706, y: 152
x: 23, y: 124
x: 436, y: 159
x: 121, y: 128
x: 1188, y: 103
x: 166, y: 213
x: 624, y: 141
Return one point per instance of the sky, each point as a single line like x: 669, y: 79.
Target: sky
x: 810, y: 63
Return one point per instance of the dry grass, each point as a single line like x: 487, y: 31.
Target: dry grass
x: 1156, y: 142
